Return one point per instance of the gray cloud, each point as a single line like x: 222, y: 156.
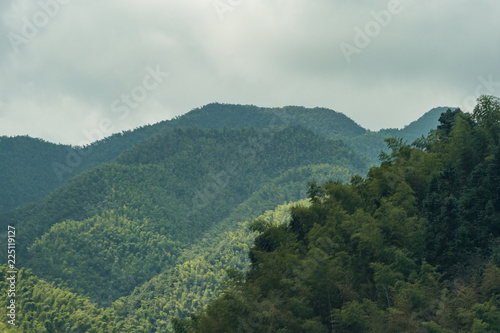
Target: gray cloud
x: 66, y: 77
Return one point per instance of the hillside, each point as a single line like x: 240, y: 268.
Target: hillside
x: 413, y: 247
x: 31, y: 168
x: 158, y: 198
x: 193, y: 280
x: 196, y: 279
x: 26, y: 172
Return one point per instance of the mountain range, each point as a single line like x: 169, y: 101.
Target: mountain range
x: 31, y: 168
x: 146, y: 225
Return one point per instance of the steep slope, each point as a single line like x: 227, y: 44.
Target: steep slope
x: 181, y: 289
x: 41, y: 307
x: 162, y: 221
x: 419, y: 127
x: 194, y: 278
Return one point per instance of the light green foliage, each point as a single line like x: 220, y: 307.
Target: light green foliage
x: 112, y: 252
x: 43, y: 308
x: 200, y: 273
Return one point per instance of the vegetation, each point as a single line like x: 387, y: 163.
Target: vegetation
x: 414, y: 247
x: 166, y: 229
x: 370, y: 144
x: 114, y: 228
x: 26, y: 169
x: 41, y: 307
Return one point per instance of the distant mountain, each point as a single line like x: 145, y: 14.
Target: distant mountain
x: 419, y: 127
x: 32, y: 168
x: 370, y: 144
x: 24, y: 165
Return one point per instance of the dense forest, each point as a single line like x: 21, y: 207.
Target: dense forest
x: 413, y: 247
x: 195, y: 280
x: 172, y: 200
x: 268, y: 221
x: 135, y: 214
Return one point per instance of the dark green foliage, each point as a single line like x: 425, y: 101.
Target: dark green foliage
x: 412, y: 248
x: 446, y: 121
x: 151, y: 235
x: 462, y: 204
x: 26, y: 170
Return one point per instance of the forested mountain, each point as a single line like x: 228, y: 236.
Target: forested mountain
x: 419, y: 127
x: 26, y: 169
x: 31, y: 168
x: 153, y: 232
x: 192, y: 282
x: 111, y: 229
x: 370, y: 144
x: 413, y: 247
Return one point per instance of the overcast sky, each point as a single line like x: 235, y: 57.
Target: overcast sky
x: 68, y: 67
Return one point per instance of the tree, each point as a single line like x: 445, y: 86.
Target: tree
x: 487, y: 111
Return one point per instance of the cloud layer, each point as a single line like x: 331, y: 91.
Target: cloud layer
x: 67, y: 65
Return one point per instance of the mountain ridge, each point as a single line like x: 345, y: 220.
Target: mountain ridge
x: 28, y: 173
